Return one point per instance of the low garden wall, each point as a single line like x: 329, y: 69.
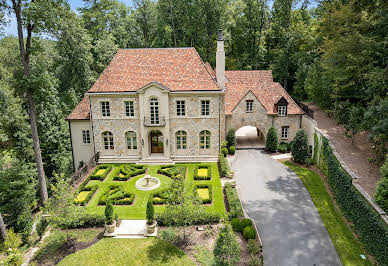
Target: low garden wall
x: 84, y: 169
x: 369, y: 220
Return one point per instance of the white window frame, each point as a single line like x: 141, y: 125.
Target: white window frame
x: 282, y: 110
x: 204, y: 139
x: 131, y: 140
x: 105, y: 108
x: 129, y: 108
x: 180, y: 108
x: 205, y: 107
x: 284, y: 132
x: 85, y: 136
x: 249, y: 106
x: 107, y: 141
x: 181, y: 140
x: 154, y: 111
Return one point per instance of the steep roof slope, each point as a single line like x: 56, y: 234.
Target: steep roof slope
x: 179, y: 69
x: 81, y: 111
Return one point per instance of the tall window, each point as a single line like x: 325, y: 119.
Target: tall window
x: 180, y: 108
x: 105, y: 109
x: 204, y: 139
x: 154, y: 111
x: 282, y: 110
x: 284, y: 133
x: 249, y: 105
x: 85, y: 136
x: 129, y: 108
x: 131, y: 140
x: 181, y: 137
x: 205, y: 107
x: 107, y: 140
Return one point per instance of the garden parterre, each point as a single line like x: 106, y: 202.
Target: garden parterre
x: 136, y: 209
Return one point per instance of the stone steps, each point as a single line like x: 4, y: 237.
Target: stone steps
x: 130, y: 229
x: 156, y: 161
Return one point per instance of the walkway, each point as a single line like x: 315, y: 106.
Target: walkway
x: 290, y: 227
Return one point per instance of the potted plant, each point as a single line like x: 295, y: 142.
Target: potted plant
x: 110, y: 222
x: 151, y: 222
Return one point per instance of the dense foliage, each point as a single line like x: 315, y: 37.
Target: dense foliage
x: 150, y: 212
x: 299, y: 147
x: 381, y: 196
x: 227, y: 248
x: 224, y: 165
x: 272, y: 140
x: 230, y: 138
x: 235, y: 208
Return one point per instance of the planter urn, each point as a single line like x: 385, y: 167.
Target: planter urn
x: 151, y: 227
x: 110, y: 228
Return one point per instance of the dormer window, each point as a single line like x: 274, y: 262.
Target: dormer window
x: 282, y: 110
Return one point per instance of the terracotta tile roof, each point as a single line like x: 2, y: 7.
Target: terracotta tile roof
x: 178, y: 69
x: 261, y: 84
x: 210, y: 70
x: 81, y: 111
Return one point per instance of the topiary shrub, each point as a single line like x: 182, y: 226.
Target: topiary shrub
x: 235, y: 222
x: 224, y: 165
x: 232, y: 150
x: 227, y: 248
x: 283, y: 148
x: 249, y: 232
x: 150, y: 212
x: 271, y: 143
x: 231, y: 138
x: 300, y: 148
x: 245, y: 222
x: 224, y: 144
x: 224, y: 151
x: 381, y: 196
x: 109, y: 212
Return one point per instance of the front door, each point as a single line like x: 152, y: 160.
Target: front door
x: 156, y: 142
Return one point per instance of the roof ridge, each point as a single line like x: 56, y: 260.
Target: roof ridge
x: 156, y: 48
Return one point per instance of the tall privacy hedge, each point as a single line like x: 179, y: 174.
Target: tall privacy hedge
x: 369, y: 226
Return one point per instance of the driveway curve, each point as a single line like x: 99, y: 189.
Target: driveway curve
x: 288, y: 222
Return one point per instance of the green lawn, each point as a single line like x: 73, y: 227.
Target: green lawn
x: 137, y: 209
x: 115, y: 251
x: 347, y: 246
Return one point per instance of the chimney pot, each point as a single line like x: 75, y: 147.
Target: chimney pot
x: 220, y: 61
x: 220, y: 36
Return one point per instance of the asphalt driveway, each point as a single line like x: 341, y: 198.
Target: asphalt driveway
x: 290, y: 227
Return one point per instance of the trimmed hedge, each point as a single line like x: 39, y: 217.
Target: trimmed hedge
x: 235, y: 208
x: 203, y: 166
x: 209, y: 187
x: 117, y: 195
x: 101, y: 177
x: 240, y: 224
x: 173, y: 171
x: 224, y: 165
x: 232, y: 150
x: 163, y: 197
x: 207, y: 218
x: 367, y: 223
x: 249, y: 232
x: 129, y: 171
x: 92, y: 190
x: 82, y: 221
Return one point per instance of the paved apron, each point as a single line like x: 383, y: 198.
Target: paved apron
x: 290, y: 227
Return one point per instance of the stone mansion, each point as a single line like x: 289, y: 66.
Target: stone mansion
x: 165, y: 105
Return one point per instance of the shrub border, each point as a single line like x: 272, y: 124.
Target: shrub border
x: 93, y: 176
x: 92, y: 190
x: 161, y: 195
x: 203, y: 166
x: 140, y: 169
x: 127, y: 198
x: 210, y: 188
x: 235, y: 208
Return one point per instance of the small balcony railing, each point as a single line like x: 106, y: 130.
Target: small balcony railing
x: 160, y: 122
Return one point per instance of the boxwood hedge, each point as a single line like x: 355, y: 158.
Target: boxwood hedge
x: 92, y: 190
x: 160, y: 198
x: 203, y: 166
x: 235, y: 208
x: 209, y: 187
x: 117, y: 194
x: 128, y: 171
x: 101, y: 177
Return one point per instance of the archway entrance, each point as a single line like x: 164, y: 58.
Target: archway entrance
x: 250, y: 137
x: 156, y: 140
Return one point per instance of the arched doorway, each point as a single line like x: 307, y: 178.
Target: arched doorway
x: 156, y: 141
x: 250, y: 137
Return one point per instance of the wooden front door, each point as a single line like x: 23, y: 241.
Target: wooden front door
x: 156, y: 142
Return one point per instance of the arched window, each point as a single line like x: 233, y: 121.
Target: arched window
x: 204, y: 139
x: 131, y: 140
x: 181, y: 137
x: 107, y: 140
x: 154, y: 111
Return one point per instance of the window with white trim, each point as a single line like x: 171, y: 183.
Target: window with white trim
x: 204, y: 139
x: 282, y: 110
x: 249, y: 104
x: 181, y: 140
x: 105, y: 109
x: 85, y: 136
x: 205, y: 107
x: 129, y: 108
x: 154, y: 111
x: 107, y: 140
x: 284, y: 134
x: 180, y: 108
x: 131, y: 140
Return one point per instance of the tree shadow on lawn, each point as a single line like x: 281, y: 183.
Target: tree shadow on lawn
x: 162, y: 252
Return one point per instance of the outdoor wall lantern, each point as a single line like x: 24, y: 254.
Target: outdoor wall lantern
x: 142, y: 142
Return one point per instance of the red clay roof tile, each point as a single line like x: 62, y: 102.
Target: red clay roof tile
x: 81, y: 111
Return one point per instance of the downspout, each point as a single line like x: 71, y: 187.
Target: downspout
x: 71, y: 143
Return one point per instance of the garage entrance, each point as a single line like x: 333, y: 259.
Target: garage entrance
x: 249, y: 137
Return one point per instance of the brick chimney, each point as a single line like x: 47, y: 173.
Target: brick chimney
x: 220, y: 60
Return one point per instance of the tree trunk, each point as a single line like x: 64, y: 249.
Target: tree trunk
x: 172, y: 22
x: 3, y: 230
x: 25, y: 59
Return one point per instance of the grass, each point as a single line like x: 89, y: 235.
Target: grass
x: 138, y: 208
x: 202, y: 172
x: 347, y: 246
x: 203, y: 193
x: 113, y: 251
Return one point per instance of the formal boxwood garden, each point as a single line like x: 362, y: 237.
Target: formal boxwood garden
x: 100, y: 172
x: 204, y: 192
x: 202, y: 172
x: 85, y: 194
x: 128, y: 171
x: 130, y: 203
x: 235, y: 208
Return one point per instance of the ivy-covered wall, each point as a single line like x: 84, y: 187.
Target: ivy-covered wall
x: 368, y: 224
